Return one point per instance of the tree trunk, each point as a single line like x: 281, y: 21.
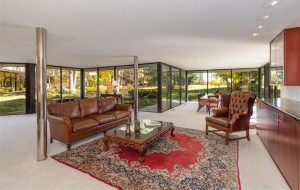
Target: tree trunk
x: 72, y: 83
x: 74, y: 77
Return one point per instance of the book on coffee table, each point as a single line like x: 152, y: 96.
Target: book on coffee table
x: 151, y: 123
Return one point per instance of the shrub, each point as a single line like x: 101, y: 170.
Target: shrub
x: 144, y: 93
x: 91, y: 89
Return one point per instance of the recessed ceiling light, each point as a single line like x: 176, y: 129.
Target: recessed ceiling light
x: 265, y: 17
x: 255, y: 34
x: 273, y: 2
x: 260, y: 27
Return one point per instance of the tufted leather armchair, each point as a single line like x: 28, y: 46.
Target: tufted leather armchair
x: 233, y: 117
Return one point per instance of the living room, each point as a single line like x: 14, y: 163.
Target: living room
x: 185, y: 52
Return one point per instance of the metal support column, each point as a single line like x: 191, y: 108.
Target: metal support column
x: 41, y: 94
x: 136, y: 92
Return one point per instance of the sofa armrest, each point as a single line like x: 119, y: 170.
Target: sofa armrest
x: 222, y: 112
x: 123, y: 107
x: 60, y: 128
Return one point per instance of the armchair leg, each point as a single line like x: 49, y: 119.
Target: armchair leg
x: 199, y: 107
x: 69, y: 146
x: 51, y: 140
x: 206, y: 129
x: 227, y: 138
x: 247, y: 135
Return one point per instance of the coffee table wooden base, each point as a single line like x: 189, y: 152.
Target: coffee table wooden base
x: 141, y: 147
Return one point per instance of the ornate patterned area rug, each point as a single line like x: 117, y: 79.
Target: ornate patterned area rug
x: 190, y: 160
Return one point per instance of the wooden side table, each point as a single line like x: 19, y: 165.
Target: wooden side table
x: 117, y: 96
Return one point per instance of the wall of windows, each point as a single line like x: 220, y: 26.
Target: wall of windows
x: 161, y: 86
x: 12, y: 89
x: 222, y: 81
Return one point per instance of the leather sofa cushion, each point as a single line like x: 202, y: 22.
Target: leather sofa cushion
x: 106, y: 104
x: 118, y: 114
x: 80, y: 124
x: 88, y: 106
x: 221, y: 121
x: 68, y: 109
x: 102, y: 118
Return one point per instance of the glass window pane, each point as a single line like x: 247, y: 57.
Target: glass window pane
x: 106, y: 77
x: 71, y: 83
x: 175, y: 87
x: 90, y: 80
x: 12, y: 89
x: 183, y: 87
x: 165, y: 87
x: 278, y: 91
x: 125, y: 81
x: 262, y: 82
x: 197, y: 83
x: 245, y: 80
x: 148, y: 87
x: 53, y: 83
x: 219, y: 81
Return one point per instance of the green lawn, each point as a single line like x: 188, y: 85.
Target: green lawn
x: 145, y: 102
x: 12, y: 106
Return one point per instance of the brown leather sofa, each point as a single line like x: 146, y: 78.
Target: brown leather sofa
x: 75, y: 120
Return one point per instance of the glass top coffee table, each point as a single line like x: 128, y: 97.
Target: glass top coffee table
x: 150, y: 132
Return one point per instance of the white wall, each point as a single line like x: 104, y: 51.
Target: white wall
x: 290, y: 92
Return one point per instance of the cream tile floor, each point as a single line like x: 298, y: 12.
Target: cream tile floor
x: 20, y: 170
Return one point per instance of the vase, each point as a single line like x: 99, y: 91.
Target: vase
x: 127, y: 130
x: 137, y: 127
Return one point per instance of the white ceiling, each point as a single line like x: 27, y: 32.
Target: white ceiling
x: 190, y: 34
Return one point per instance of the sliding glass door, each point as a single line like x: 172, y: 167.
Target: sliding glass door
x: 166, y: 85
x: 12, y: 89
x: 90, y: 83
x: 148, y: 89
x: 71, y: 83
x: 175, y: 87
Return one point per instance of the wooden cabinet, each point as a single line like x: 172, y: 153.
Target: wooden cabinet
x: 280, y: 133
x: 285, y: 58
x: 261, y: 122
x: 268, y: 128
x: 287, y: 152
x: 298, y: 150
x: 272, y: 131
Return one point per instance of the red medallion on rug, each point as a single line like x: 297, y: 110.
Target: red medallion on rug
x: 190, y: 160
x: 179, y: 150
